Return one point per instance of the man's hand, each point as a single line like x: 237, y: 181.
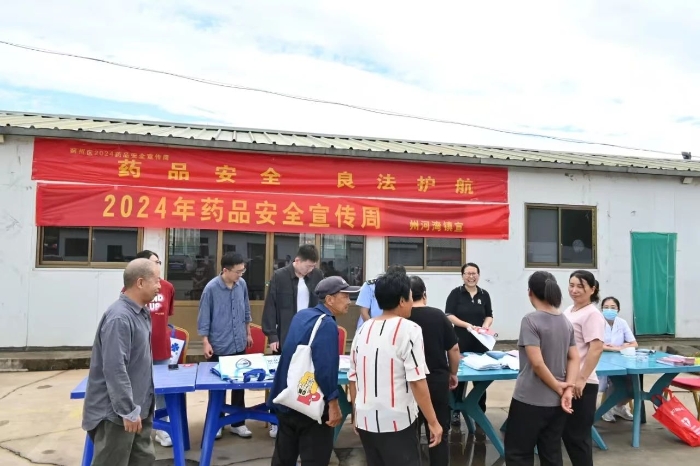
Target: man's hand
x: 566, y: 398
x: 275, y: 346
x: 578, y: 389
x: 208, y: 350
x: 334, y: 414
x: 453, y: 382
x: 563, y: 386
x: 435, y: 433
x: 132, y: 427
x: 250, y: 340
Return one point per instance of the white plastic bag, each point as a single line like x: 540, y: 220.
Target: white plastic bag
x: 303, y: 393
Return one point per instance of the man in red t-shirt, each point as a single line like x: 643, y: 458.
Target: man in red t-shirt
x: 161, y: 309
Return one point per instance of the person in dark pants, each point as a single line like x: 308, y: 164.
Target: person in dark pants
x: 589, y: 330
x: 387, y: 379
x: 469, y: 307
x: 442, y: 358
x: 297, y: 434
x: 120, y: 397
x: 549, y: 365
x: 224, y: 320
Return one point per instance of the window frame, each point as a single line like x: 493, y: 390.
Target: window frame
x: 559, y: 208
x: 41, y: 264
x: 269, y: 252
x: 425, y: 268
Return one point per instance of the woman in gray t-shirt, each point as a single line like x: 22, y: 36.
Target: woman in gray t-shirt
x: 549, y: 364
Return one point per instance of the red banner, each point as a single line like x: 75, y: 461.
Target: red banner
x: 119, y: 206
x: 182, y: 168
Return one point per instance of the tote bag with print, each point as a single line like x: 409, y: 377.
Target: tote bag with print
x: 303, y: 393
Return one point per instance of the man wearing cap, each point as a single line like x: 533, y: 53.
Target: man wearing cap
x: 299, y: 435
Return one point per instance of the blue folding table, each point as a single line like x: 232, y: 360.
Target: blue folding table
x: 172, y: 384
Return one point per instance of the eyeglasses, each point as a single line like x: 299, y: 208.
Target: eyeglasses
x: 471, y: 274
x: 238, y: 272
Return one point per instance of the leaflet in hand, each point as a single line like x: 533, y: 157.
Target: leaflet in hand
x: 484, y: 362
x: 486, y: 336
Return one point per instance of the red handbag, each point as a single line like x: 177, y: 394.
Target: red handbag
x: 673, y: 415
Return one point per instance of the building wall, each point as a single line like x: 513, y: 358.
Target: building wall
x: 61, y: 307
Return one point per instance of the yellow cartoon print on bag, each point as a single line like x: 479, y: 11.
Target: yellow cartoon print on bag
x: 308, y: 389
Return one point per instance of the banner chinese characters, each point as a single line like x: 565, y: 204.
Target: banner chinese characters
x: 215, y: 170
x: 78, y: 205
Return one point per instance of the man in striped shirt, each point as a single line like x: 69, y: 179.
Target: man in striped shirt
x: 388, y: 379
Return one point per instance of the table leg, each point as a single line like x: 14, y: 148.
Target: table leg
x: 345, y: 411
x: 211, y: 425
x: 173, y: 403
x: 88, y: 450
x: 470, y: 409
x: 185, y: 422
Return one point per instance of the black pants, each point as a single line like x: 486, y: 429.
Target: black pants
x: 460, y: 390
x: 237, y: 396
x: 440, y: 396
x: 534, y: 426
x: 577, y: 432
x: 299, y: 435
x: 400, y: 448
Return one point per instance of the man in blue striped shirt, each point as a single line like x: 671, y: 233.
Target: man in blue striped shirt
x: 224, y: 322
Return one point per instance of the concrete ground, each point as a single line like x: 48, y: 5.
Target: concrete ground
x: 39, y: 424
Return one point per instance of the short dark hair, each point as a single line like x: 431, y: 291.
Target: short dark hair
x: 471, y: 264
x: 396, y: 268
x: 417, y: 288
x: 544, y: 286
x: 231, y: 259
x: 613, y: 299
x: 146, y: 254
x: 588, y: 277
x: 390, y: 288
x: 307, y: 252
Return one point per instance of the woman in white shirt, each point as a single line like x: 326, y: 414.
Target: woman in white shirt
x: 618, y: 335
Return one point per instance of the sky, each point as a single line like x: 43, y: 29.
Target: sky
x: 621, y: 72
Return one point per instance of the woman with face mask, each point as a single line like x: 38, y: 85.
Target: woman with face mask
x: 618, y: 335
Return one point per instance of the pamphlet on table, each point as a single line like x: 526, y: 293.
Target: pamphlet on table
x: 484, y: 362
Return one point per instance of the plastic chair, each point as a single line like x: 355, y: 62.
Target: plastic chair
x: 181, y: 334
x: 691, y: 384
x: 342, y: 339
x: 259, y: 340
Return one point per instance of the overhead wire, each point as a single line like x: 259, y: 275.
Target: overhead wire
x: 324, y: 101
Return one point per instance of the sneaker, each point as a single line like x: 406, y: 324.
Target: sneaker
x: 608, y: 417
x: 219, y: 433
x: 241, y: 431
x: 455, y: 418
x: 623, y: 412
x: 273, y: 431
x: 163, y: 438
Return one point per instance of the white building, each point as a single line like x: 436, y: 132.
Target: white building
x: 565, y: 209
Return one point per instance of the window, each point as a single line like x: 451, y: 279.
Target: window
x: 426, y: 253
x: 192, y: 260
x: 253, y: 247
x: 560, y: 236
x: 343, y: 255
x: 88, y: 246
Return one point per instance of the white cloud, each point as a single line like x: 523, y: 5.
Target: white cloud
x: 620, y: 74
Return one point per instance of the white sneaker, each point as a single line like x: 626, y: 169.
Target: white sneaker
x: 241, y: 431
x: 218, y: 434
x: 273, y: 431
x: 163, y: 438
x: 623, y: 412
x: 608, y: 417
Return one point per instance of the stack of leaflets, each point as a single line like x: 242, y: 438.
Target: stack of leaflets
x: 244, y: 368
x: 484, y: 362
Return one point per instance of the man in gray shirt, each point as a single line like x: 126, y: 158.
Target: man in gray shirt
x: 119, y: 397
x: 224, y: 322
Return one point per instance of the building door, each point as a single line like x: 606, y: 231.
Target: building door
x: 654, y: 283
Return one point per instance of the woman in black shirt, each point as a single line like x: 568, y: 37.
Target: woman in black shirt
x: 469, y: 306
